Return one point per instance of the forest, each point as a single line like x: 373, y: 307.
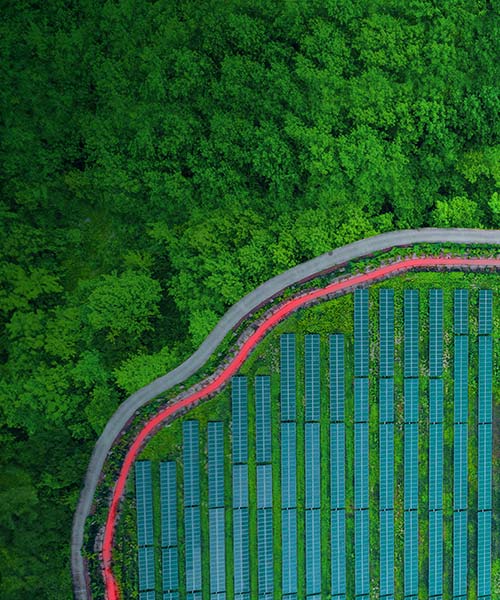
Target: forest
x: 160, y: 159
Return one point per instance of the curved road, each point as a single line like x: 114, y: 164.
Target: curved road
x: 239, y: 311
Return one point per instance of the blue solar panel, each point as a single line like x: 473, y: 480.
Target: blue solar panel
x: 265, y: 555
x: 313, y: 551
x: 216, y: 521
x: 411, y: 392
x: 289, y: 551
x: 386, y: 435
x: 360, y: 465
x: 262, y: 419
x: 460, y: 373
x: 144, y: 503
x: 435, y: 333
x: 485, y: 374
x: 151, y: 595
x: 361, y: 400
x: 338, y: 556
x: 146, y: 568
x: 288, y: 465
x: 264, y: 486
x: 168, y: 501
x: 215, y: 464
x: 386, y: 552
x: 484, y: 444
x: 337, y: 378
x: 460, y: 553
x: 312, y: 377
x: 411, y: 333
x: 436, y: 466
x: 411, y: 466
x: 411, y: 544
x: 337, y: 465
x: 460, y: 466
x: 361, y: 552
x: 386, y: 400
x: 166, y: 596
x: 240, y: 486
x: 170, y: 569
x: 194, y: 596
x: 435, y: 553
x: 287, y: 378
x: 190, y: 433
x: 192, y: 547
x: 484, y: 553
x: 241, y: 551
x: 436, y: 400
x: 312, y: 465
x: 485, y: 312
x: 239, y: 399
x: 461, y: 312
x: 386, y: 328
x: 361, y: 333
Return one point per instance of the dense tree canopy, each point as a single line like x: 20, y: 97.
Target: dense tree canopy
x: 161, y: 159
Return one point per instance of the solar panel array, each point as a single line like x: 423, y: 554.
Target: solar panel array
x: 169, y: 542
x: 216, y: 513
x: 485, y: 445
x: 263, y: 419
x: 460, y: 438
x: 386, y: 328
x: 312, y: 377
x: 337, y: 378
x: 144, y: 516
x: 361, y: 334
x: 435, y: 442
x: 287, y: 377
x: 241, y: 549
x: 192, y: 532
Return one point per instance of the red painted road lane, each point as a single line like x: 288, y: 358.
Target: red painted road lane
x: 284, y: 310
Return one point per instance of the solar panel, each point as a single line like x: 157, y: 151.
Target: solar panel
x: 240, y: 419
x: 313, y: 551
x: 361, y: 400
x: 288, y: 465
x: 360, y: 465
x: 168, y: 502
x: 338, y: 556
x: 147, y: 595
x: 241, y: 551
x: 337, y: 379
x: 436, y: 400
x: 192, y: 548
x: 194, y: 595
x: 240, y: 486
x: 191, y: 445
x: 337, y: 465
x: 312, y: 465
x: 312, y: 377
x: 435, y: 333
x: 289, y: 551
x: 460, y: 553
x: 361, y: 552
x: 485, y: 312
x: 386, y: 400
x: 411, y: 333
x: 263, y: 419
x: 411, y: 392
x: 216, y: 522
x: 460, y: 373
x: 411, y: 544
x: 436, y: 466
x: 461, y: 312
x: 386, y: 328
x: 166, y: 596
x: 386, y: 552
x: 215, y: 464
x: 484, y: 553
x: 361, y: 340
x: 411, y: 466
x: 386, y: 436
x: 170, y: 569
x: 460, y: 466
x: 264, y: 486
x: 435, y: 553
x: 265, y: 551
x: 144, y: 503
x: 484, y: 445
x: 146, y: 568
x: 287, y: 377
x: 485, y: 375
